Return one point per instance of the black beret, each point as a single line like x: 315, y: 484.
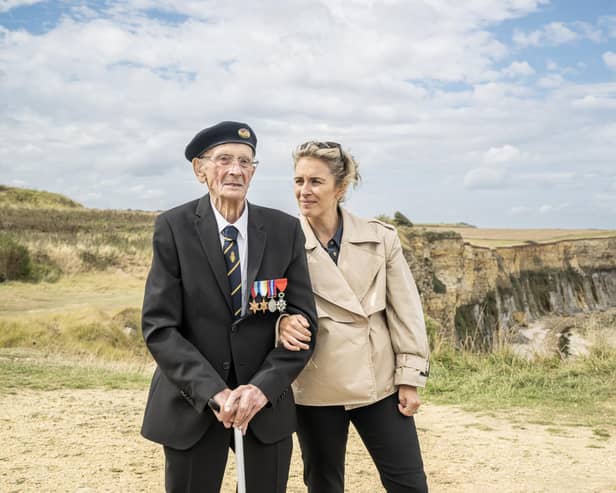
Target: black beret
x: 221, y: 133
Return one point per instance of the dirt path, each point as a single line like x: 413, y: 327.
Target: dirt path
x: 84, y: 441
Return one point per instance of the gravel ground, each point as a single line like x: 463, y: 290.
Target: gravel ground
x: 88, y: 441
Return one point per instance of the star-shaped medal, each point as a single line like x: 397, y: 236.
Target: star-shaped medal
x: 254, y: 306
x: 263, y: 306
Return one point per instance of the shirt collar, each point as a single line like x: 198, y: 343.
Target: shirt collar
x: 338, y: 234
x: 241, y: 224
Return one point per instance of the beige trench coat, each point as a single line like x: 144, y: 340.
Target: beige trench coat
x: 372, y: 334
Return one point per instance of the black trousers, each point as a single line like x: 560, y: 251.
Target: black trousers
x: 390, y: 437
x: 201, y: 468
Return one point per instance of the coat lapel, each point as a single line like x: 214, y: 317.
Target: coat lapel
x: 359, y: 261
x: 327, y: 279
x: 205, y: 222
x: 256, y: 245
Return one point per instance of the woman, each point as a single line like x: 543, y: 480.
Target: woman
x: 372, y: 350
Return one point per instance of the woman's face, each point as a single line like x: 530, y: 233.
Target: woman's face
x: 315, y: 188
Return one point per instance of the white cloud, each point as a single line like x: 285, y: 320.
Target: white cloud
x: 518, y: 69
x: 609, y: 58
x: 549, y: 208
x: 520, y: 209
x: 6, y: 5
x: 550, y: 81
x: 542, y: 209
x: 595, y: 102
x: 543, y: 178
x: 608, y: 23
x: 557, y: 33
x: 502, y: 154
x: 417, y: 92
x: 485, y: 178
x: 588, y: 31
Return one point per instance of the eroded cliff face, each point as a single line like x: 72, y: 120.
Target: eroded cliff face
x: 477, y: 294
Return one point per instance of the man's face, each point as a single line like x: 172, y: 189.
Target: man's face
x: 226, y: 170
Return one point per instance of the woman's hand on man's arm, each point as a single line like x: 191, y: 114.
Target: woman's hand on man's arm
x: 294, y: 333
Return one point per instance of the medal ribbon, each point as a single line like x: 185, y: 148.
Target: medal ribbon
x: 261, y: 287
x: 281, y: 284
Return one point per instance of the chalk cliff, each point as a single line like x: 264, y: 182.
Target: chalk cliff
x: 477, y: 294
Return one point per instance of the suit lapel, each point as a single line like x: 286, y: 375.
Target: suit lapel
x: 205, y: 222
x: 256, y: 245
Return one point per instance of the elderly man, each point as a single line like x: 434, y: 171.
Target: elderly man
x: 223, y: 272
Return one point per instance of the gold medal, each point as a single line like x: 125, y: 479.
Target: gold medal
x: 263, y: 306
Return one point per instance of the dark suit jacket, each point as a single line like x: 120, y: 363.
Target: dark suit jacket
x: 187, y: 322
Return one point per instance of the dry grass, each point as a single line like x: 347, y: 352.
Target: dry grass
x: 88, y: 315
x: 34, y: 199
x: 501, y: 237
x: 68, y: 241
x: 109, y: 291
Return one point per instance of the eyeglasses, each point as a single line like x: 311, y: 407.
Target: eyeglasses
x: 322, y: 145
x: 325, y: 145
x: 226, y: 160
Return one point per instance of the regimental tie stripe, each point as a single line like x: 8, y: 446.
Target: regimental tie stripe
x: 232, y: 268
x: 231, y: 253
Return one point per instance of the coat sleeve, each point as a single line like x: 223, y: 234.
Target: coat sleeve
x: 282, y: 366
x: 178, y: 359
x: 405, y: 317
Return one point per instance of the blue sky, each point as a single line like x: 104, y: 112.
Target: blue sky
x: 499, y: 113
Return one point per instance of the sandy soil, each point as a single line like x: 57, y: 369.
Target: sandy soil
x: 84, y: 441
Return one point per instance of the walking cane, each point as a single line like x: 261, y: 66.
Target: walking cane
x: 238, y: 439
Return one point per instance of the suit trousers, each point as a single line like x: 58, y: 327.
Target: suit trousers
x: 201, y: 468
x: 390, y: 437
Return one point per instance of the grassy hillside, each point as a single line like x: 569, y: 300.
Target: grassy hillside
x: 24, y: 198
x: 61, y: 237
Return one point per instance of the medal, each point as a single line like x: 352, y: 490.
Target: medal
x: 262, y: 291
x: 253, y: 291
x: 281, y: 304
x: 271, y: 292
x: 263, y: 306
x: 281, y: 285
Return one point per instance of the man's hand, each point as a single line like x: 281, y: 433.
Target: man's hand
x: 245, y: 401
x: 408, y: 399
x: 294, y: 333
x: 224, y: 416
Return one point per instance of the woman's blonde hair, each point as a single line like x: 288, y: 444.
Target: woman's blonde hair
x: 341, y: 164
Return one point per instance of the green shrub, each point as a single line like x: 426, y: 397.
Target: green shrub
x: 15, y: 262
x: 401, y: 220
x: 97, y: 260
x: 44, y: 269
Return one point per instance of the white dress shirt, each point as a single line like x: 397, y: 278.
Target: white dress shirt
x: 242, y: 244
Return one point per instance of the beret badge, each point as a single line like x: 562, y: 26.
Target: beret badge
x: 244, y: 133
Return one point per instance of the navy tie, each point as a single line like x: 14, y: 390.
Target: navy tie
x: 234, y: 273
